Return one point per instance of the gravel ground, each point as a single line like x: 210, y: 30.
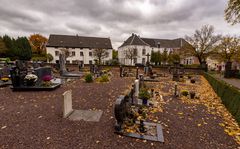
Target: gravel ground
x: 34, y: 120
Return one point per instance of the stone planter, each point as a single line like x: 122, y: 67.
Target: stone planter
x: 30, y: 82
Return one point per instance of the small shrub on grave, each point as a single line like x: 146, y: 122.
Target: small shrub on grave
x: 89, y: 78
x: 144, y: 95
x: 104, y: 78
x: 185, y: 93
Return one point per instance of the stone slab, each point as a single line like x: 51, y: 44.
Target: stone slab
x: 36, y: 88
x: 72, y: 75
x: 158, y: 137
x: 86, y: 115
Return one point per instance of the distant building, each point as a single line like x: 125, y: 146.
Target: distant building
x: 80, y: 48
x: 144, y: 46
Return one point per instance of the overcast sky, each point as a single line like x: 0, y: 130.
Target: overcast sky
x: 116, y: 19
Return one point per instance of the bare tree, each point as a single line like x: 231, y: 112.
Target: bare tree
x: 131, y: 53
x: 100, y: 54
x: 228, y: 49
x: 202, y: 43
x: 232, y: 12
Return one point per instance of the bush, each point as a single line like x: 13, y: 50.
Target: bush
x: 184, y: 93
x: 229, y: 95
x: 104, y: 78
x: 88, y: 78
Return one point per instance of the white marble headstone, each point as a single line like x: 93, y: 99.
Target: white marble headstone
x: 136, y: 85
x: 67, y: 103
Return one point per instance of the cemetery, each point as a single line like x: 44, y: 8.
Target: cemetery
x: 173, y: 109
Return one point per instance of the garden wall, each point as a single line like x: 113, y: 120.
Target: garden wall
x: 230, y: 95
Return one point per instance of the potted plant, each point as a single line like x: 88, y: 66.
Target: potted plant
x: 144, y: 95
x: 184, y: 93
x: 30, y: 79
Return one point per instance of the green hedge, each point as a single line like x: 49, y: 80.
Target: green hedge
x: 230, y: 95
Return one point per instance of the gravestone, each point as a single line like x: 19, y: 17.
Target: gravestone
x: 67, y: 103
x: 136, y: 86
x: 18, y: 73
x: 121, y: 71
x: 76, y: 115
x: 141, y: 82
x: 176, y: 71
x: 63, y: 70
x: 120, y: 111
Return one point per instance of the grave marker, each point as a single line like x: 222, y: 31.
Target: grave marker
x: 67, y: 103
x: 136, y: 86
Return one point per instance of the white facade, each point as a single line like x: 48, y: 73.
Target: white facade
x: 141, y: 55
x: 77, y: 55
x: 191, y: 60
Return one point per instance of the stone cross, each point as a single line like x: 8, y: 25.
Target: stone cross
x: 67, y: 103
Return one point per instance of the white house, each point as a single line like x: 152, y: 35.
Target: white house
x: 143, y: 46
x: 80, y: 47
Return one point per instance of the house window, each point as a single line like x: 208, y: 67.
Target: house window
x: 81, y: 62
x: 57, y: 61
x: 143, y: 60
x: 144, y: 52
x: 90, y: 62
x: 90, y: 49
x: 90, y: 53
x: 81, y: 53
x: 135, y: 51
x: 74, y: 61
x: 67, y: 62
x: 135, y: 60
x: 56, y: 53
x: 73, y: 53
x: 81, y: 48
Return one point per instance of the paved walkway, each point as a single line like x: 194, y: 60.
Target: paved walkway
x: 233, y: 82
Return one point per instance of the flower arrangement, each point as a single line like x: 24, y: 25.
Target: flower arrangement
x: 47, y: 78
x: 5, y: 79
x: 31, y: 77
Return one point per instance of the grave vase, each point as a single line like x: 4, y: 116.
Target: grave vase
x: 144, y: 101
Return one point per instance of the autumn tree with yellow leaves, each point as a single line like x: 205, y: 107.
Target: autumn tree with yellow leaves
x: 38, y: 44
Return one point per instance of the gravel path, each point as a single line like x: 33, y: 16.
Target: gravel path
x: 34, y: 120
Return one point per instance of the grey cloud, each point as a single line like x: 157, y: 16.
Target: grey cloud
x: 112, y: 18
